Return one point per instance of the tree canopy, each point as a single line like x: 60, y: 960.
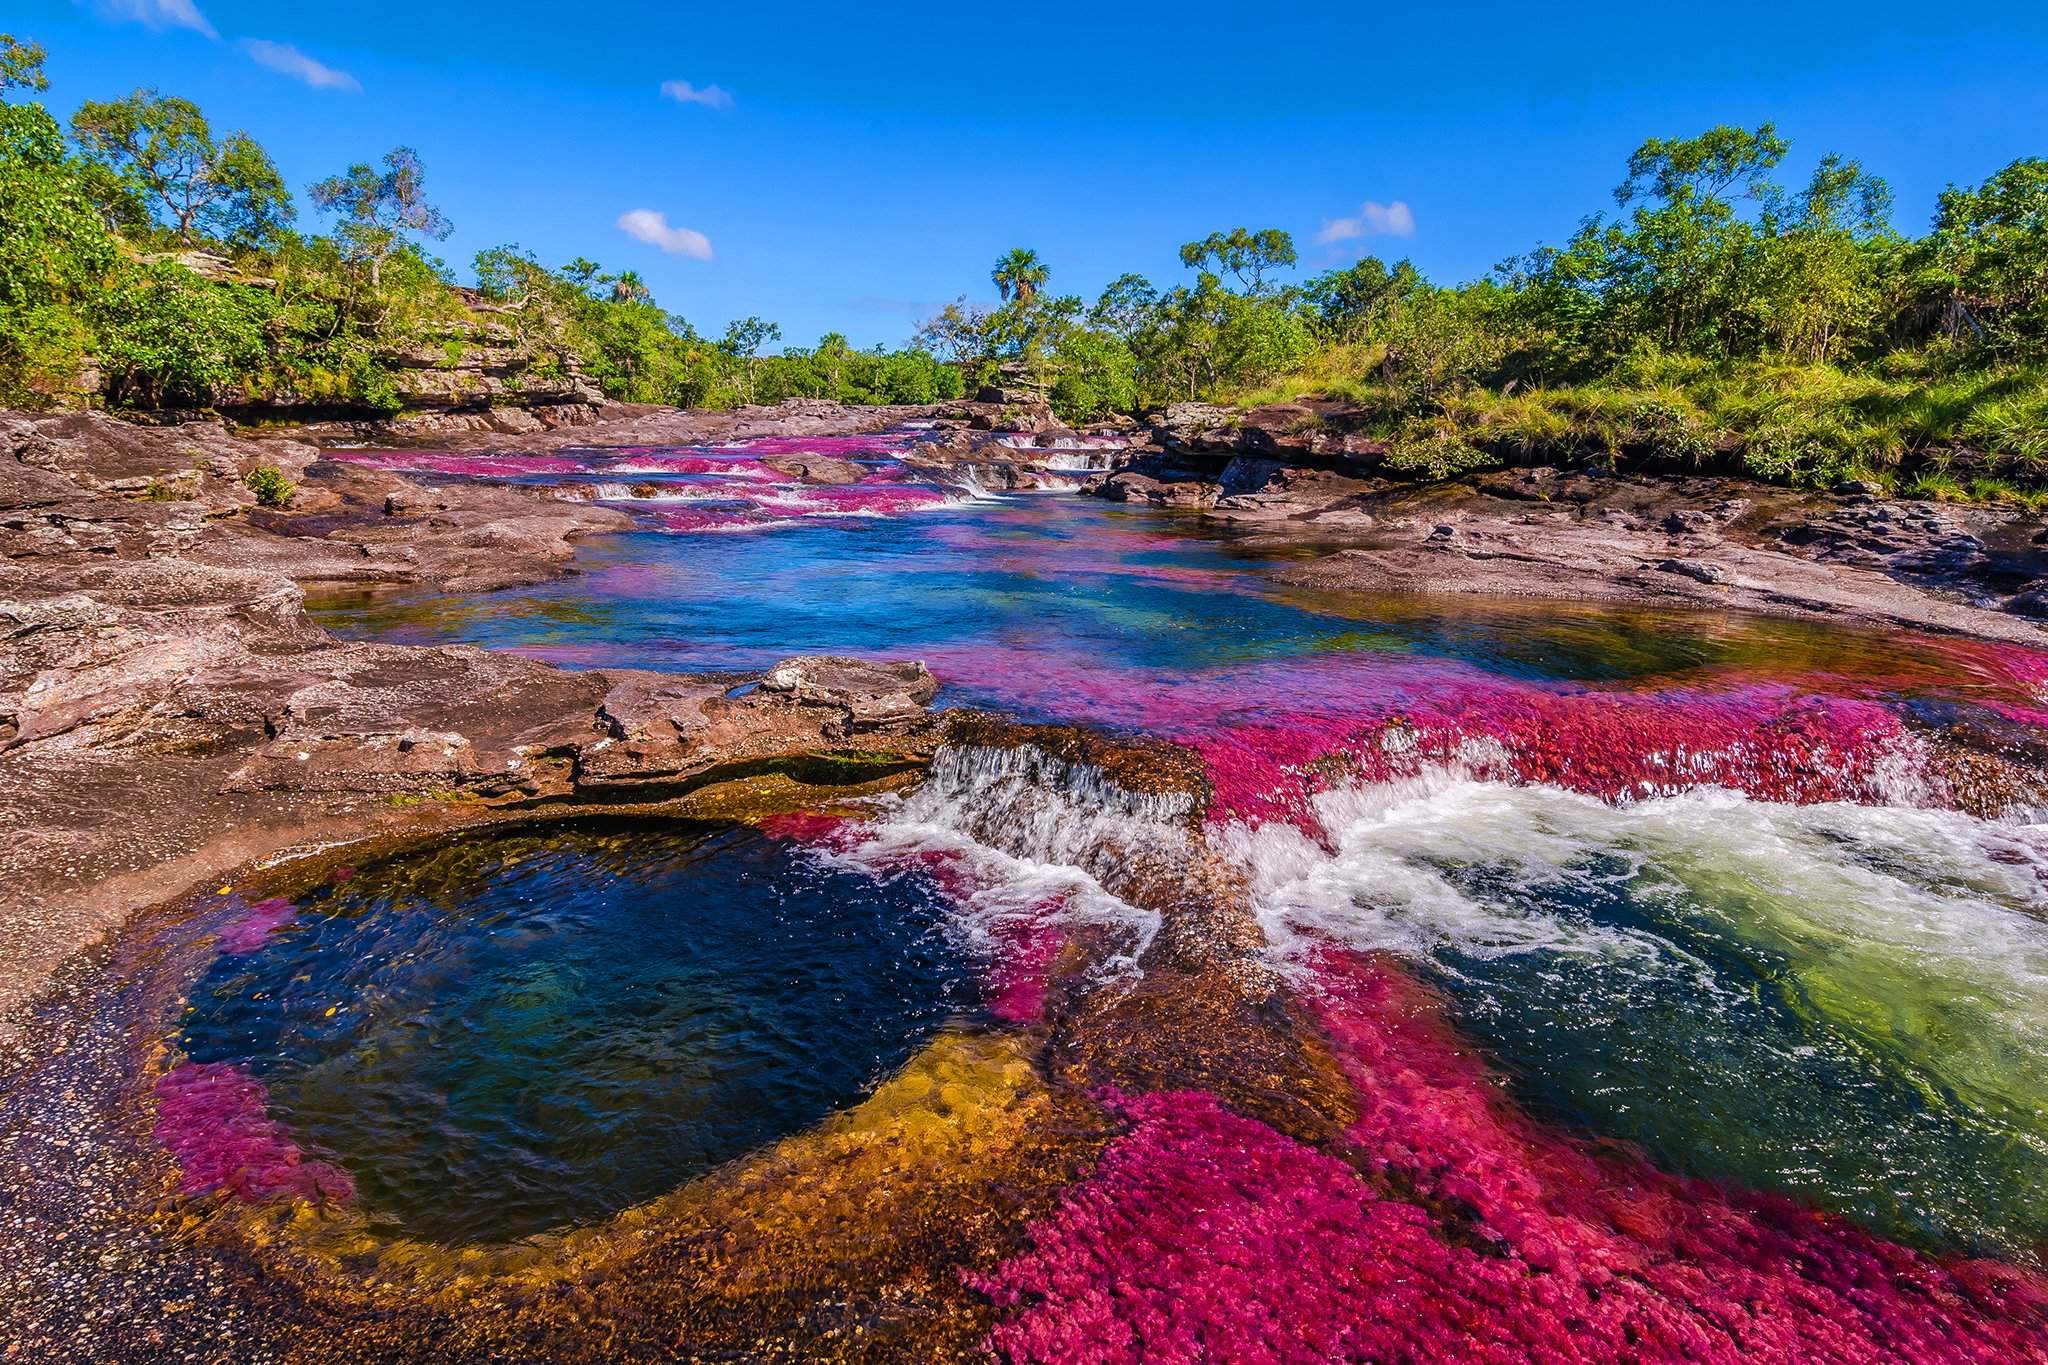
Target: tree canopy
x: 160, y: 153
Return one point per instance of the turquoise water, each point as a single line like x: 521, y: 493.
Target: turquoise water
x: 1057, y: 607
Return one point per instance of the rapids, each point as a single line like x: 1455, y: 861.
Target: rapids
x: 1386, y: 977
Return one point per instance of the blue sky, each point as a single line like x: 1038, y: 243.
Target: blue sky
x: 856, y: 166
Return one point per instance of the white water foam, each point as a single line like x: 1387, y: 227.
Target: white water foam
x: 1935, y: 883
x: 1922, y: 933
x: 1037, y: 839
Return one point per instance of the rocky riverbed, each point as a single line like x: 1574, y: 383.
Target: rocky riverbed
x: 167, y: 709
x: 1166, y: 1028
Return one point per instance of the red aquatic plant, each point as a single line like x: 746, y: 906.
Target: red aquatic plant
x: 1019, y: 972
x: 1448, y: 1226
x: 214, y: 1118
x: 1769, y: 742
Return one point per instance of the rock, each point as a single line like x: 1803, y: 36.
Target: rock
x: 1131, y: 486
x: 413, y: 501
x: 873, y: 695
x: 2030, y: 600
x: 1250, y: 474
x: 1697, y: 570
x: 665, y: 733
x: 821, y: 469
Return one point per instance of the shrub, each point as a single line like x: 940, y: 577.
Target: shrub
x: 271, y: 487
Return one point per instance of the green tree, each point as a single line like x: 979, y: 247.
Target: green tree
x: 1830, y: 259
x: 55, y: 253
x: 21, y: 65
x: 1440, y: 341
x: 1248, y: 256
x: 1128, y: 308
x: 1686, y: 270
x: 743, y: 341
x: 628, y: 287
x: 162, y: 151
x: 1095, y: 374
x: 1347, y: 303
x: 1989, y: 257
x: 165, y: 337
x: 380, y: 209
x: 962, y: 336
x: 1019, y: 275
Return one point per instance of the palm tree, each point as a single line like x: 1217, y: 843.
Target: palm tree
x: 1019, y: 275
x: 629, y: 288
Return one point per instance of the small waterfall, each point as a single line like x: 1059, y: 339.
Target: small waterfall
x: 968, y: 479
x: 1079, y: 461
x: 1026, y: 837
x: 961, y: 770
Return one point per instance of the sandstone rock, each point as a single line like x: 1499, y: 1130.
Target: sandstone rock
x: 665, y: 733
x: 1697, y: 570
x: 822, y: 469
x: 873, y: 695
x: 1132, y: 486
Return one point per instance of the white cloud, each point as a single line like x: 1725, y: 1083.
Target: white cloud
x: 159, y: 14
x: 652, y: 228
x: 710, y: 96
x: 1374, y: 219
x: 284, y: 58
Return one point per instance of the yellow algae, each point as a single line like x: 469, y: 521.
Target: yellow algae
x: 872, y: 1214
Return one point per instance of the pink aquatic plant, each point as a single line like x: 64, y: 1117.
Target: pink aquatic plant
x: 1769, y: 742
x: 805, y: 827
x: 1014, y: 989
x: 1449, y: 1226
x: 214, y: 1118
x: 252, y: 928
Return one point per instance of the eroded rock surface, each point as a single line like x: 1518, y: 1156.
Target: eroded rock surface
x: 168, y: 710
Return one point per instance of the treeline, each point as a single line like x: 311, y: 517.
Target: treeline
x: 1714, y: 317
x: 150, y: 262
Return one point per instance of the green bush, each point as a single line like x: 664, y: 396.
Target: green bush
x: 164, y: 337
x: 271, y: 487
x: 1097, y: 376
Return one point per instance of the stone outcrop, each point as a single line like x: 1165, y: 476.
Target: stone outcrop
x: 1696, y: 542
x: 168, y: 709
x: 664, y: 731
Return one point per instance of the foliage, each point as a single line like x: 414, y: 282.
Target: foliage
x: 54, y: 251
x: 380, y: 209
x: 1988, y: 258
x: 1246, y: 255
x: 1019, y: 275
x: 271, y: 487
x: 21, y: 65
x: 159, y: 161
x: 1097, y: 376
x: 166, y: 338
x: 1713, y: 316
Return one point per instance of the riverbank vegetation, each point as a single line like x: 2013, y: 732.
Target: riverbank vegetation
x: 1715, y: 318
x: 1721, y: 313
x: 149, y: 261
